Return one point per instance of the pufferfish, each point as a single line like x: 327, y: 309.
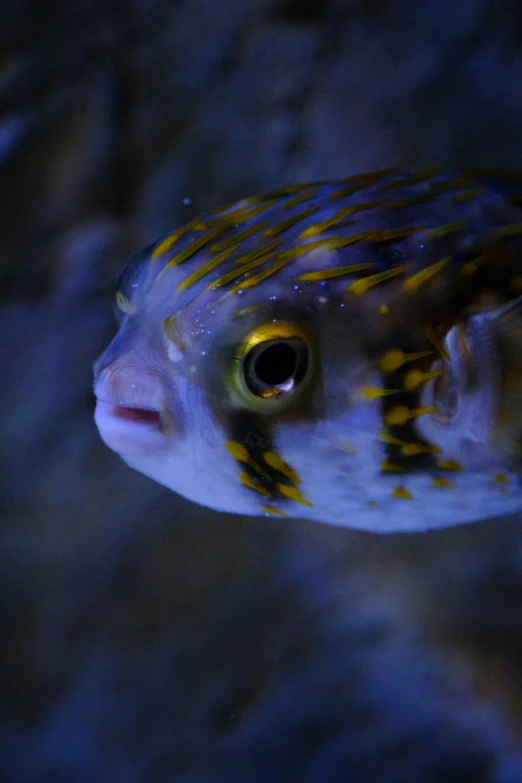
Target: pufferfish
x: 346, y: 351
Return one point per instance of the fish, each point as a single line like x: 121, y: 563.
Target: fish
x: 347, y: 351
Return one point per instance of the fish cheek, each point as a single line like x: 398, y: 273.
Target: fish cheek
x: 250, y: 428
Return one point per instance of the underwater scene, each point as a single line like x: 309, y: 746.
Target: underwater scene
x: 261, y: 359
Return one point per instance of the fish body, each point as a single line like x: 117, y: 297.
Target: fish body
x: 345, y: 351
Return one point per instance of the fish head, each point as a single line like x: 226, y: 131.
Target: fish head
x: 206, y: 392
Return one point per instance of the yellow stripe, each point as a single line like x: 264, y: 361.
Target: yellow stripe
x: 240, y: 453
x: 192, y: 249
x: 400, y: 414
x: 414, y: 282
x: 387, y: 465
x: 323, y: 225
x: 362, y: 286
x: 173, y: 238
x: 425, y: 410
x: 284, y: 258
x: 274, y: 511
x: 470, y: 267
x: 237, y: 450
x: 294, y: 202
x: 274, y: 460
x: 279, y: 228
x: 450, y: 464
x: 375, y: 393
x: 394, y: 359
x: 402, y: 493
x: 261, y: 251
x: 327, y: 244
x: 365, y: 206
x: 258, y: 259
x: 292, y: 493
x: 239, y: 237
x: 412, y: 449
x: 442, y: 483
x: 468, y: 195
x: 204, y: 270
x: 336, y: 271
x: 251, y: 483
x: 414, y: 378
x: 252, y: 281
x: 342, y: 193
x: 448, y: 228
x: 240, y: 215
x: 387, y: 438
x: 350, y: 239
x: 395, y: 233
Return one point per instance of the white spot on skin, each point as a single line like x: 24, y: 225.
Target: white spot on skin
x: 173, y: 352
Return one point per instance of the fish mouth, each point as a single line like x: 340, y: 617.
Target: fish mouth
x: 146, y: 417
x: 131, y: 429
x: 133, y: 414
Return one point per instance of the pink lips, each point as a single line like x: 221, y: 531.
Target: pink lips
x: 129, y: 430
x: 131, y: 410
x: 137, y: 415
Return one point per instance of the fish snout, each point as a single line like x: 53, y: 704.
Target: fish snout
x: 131, y: 407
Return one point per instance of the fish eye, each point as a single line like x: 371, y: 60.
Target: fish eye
x: 275, y: 367
x: 274, y: 363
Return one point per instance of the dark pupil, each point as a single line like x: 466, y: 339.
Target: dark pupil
x: 276, y: 364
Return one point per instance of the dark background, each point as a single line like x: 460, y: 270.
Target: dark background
x: 144, y: 639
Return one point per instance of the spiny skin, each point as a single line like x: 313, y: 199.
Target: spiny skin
x: 342, y: 351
